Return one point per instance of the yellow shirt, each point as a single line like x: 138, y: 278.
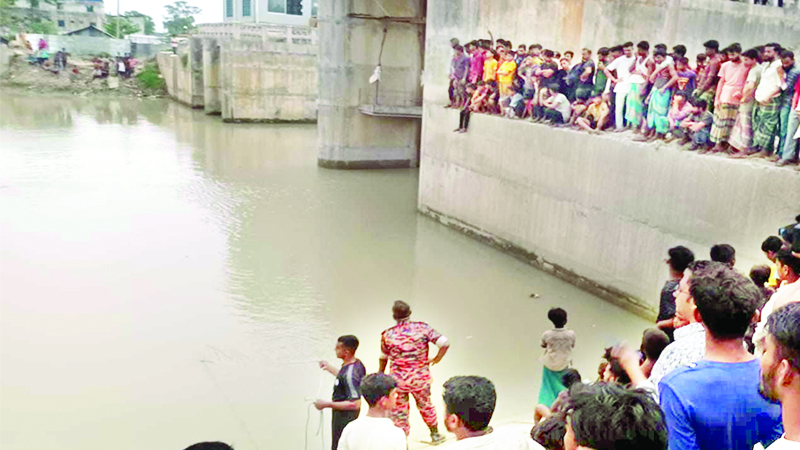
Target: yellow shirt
x: 505, y: 75
x: 490, y: 70
x: 773, y: 276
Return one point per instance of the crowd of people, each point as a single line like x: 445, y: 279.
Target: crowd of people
x: 740, y: 103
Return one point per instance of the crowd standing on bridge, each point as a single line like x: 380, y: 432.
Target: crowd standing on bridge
x: 729, y: 102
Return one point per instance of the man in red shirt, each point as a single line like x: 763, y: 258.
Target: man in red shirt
x: 406, y: 345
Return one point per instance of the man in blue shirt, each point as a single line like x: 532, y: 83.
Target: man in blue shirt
x: 715, y: 403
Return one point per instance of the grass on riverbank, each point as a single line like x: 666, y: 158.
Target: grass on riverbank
x: 150, y: 78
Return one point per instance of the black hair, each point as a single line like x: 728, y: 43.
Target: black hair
x: 702, y: 57
x: 550, y: 432
x: 660, y: 52
x: 603, y: 51
x: 723, y: 253
x: 760, y: 274
x: 725, y: 299
x: 778, y: 48
x: 607, y: 416
x: 643, y: 45
x: 570, y: 52
x: 787, y: 54
x: 558, y: 316
x: 539, y: 46
x: 679, y: 258
x: 400, y: 309
x: 617, y: 48
x: 570, y: 377
x: 209, y: 446
x: 523, y: 46
x: 548, y: 53
x: 771, y: 244
x: 784, y: 326
x: 458, y: 48
x: 660, y: 46
x: 375, y: 386
x: 557, y: 55
x: 616, y: 368
x: 472, y: 399
x: 734, y: 48
x: 627, y: 44
x: 679, y: 50
x: 712, y: 44
x: 654, y: 341
x: 786, y: 258
x: 349, y: 342
x: 751, y: 53
x: 698, y: 103
x: 682, y: 60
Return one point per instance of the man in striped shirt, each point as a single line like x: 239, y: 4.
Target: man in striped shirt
x: 346, y: 401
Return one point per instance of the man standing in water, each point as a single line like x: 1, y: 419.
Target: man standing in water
x: 406, y: 344
x: 346, y: 401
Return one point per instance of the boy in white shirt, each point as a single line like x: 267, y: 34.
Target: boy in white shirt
x: 375, y: 431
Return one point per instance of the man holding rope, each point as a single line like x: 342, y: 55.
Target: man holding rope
x: 346, y: 401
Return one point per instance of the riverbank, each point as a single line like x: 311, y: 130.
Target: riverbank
x: 22, y: 76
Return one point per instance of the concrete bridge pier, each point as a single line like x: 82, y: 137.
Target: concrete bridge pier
x: 365, y: 125
x: 211, y: 85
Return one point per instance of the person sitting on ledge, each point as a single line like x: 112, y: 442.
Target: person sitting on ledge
x: 697, y: 127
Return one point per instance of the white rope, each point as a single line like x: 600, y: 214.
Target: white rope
x: 230, y: 404
x: 320, y: 431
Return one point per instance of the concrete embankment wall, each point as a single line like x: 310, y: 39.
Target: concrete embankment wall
x: 602, y: 211
x: 181, y: 82
x: 268, y: 81
x: 574, y: 24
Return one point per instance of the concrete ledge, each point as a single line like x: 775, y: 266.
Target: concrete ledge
x: 362, y: 165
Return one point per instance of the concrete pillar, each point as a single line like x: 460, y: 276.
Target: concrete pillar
x: 196, y: 66
x: 211, y: 85
x: 350, y: 48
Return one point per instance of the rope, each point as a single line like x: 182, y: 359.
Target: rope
x: 230, y: 404
x: 320, y: 432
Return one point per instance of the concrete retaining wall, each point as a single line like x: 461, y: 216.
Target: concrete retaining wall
x: 181, y: 79
x: 82, y: 45
x: 598, y: 211
x: 268, y: 81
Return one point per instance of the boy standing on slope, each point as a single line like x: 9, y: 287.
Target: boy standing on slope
x: 558, y: 344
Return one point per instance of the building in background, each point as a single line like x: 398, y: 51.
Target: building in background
x: 284, y: 12
x: 67, y: 15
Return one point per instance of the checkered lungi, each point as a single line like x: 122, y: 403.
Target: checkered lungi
x: 724, y: 120
x: 766, y: 121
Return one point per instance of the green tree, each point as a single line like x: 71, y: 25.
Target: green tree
x: 180, y: 17
x: 126, y: 27
x: 149, y: 25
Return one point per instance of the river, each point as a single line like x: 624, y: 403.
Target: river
x: 166, y: 278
